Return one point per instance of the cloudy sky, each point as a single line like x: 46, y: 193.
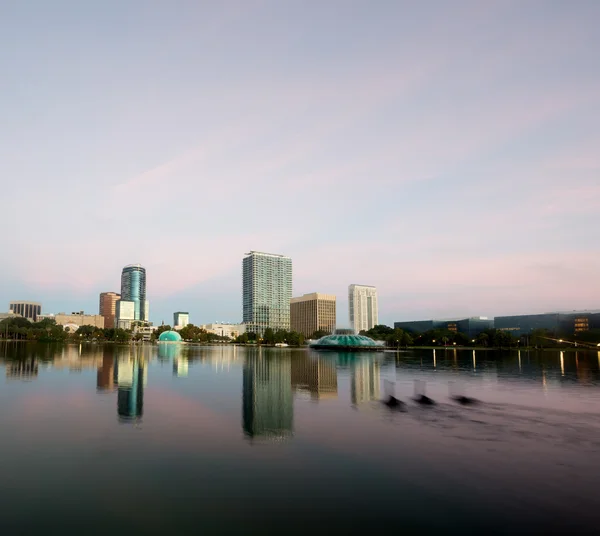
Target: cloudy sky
x: 446, y: 152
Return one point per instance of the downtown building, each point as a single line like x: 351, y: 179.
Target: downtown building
x: 180, y: 319
x: 566, y: 323
x: 313, y: 312
x: 363, y: 307
x: 224, y: 329
x: 133, y: 305
x: 73, y: 321
x: 27, y: 309
x: 108, y: 308
x: 471, y: 326
x: 267, y: 291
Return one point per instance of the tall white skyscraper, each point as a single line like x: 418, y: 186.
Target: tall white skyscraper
x: 362, y: 305
x: 267, y: 290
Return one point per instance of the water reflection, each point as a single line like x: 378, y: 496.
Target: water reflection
x: 132, y: 377
x: 316, y: 375
x: 180, y: 366
x: 365, y: 379
x: 105, y: 380
x: 267, y: 407
x: 23, y: 369
x: 168, y: 351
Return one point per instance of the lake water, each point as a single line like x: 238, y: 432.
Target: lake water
x: 229, y: 440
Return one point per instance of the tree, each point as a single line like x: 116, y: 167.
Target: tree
x: 482, y: 339
x: 280, y: 336
x: 294, y: 338
x: 407, y: 339
x: 159, y: 330
x: 319, y: 333
x: 242, y: 339
x: 86, y: 332
x: 269, y: 336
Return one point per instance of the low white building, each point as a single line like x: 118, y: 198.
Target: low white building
x: 225, y: 330
x: 146, y: 329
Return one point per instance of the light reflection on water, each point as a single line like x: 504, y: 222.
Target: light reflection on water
x: 186, y: 422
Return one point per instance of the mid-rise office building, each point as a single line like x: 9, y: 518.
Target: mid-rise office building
x: 133, y: 289
x: 180, y: 319
x: 313, y: 312
x: 27, y: 309
x: 125, y: 314
x: 363, y: 307
x: 108, y: 308
x: 267, y: 290
x: 77, y: 319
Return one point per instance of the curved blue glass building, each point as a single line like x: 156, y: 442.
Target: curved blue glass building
x: 133, y: 289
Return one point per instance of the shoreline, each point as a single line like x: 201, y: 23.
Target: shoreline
x: 389, y: 349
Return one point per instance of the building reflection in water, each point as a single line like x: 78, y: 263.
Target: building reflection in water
x: 22, y: 369
x: 168, y: 350
x: 180, y: 366
x: 365, y: 379
x: 267, y: 409
x: 316, y: 375
x: 105, y: 380
x: 131, y: 374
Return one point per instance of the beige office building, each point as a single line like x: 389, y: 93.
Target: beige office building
x: 313, y: 312
x: 78, y: 319
x: 108, y: 308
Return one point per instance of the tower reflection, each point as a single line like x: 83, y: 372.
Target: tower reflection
x: 105, y: 380
x: 267, y: 409
x: 131, y: 376
x: 365, y: 379
x: 315, y: 374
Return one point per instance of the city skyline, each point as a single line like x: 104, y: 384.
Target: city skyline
x: 444, y: 153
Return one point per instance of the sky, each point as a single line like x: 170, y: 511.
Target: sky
x: 447, y: 153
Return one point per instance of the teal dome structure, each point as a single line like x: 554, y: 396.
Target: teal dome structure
x: 169, y: 336
x: 346, y: 339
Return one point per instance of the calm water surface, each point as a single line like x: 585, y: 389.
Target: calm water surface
x: 228, y: 440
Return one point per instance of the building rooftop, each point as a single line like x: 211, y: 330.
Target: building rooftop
x: 267, y: 254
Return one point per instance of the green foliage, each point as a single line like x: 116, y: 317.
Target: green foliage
x: 159, y: 330
x: 319, y: 333
x: 268, y: 337
x: 292, y: 338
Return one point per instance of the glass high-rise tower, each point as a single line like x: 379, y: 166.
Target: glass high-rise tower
x: 133, y: 289
x: 267, y: 290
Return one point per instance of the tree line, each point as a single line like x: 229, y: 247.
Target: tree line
x: 47, y: 330
x: 489, y: 338
x: 18, y: 328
